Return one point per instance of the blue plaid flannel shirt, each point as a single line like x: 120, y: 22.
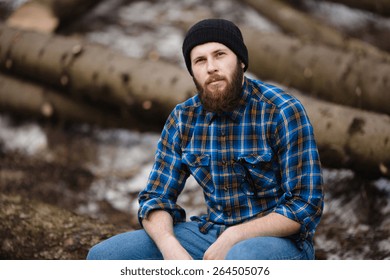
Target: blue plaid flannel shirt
x: 258, y: 159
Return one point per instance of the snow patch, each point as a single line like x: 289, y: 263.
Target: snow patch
x: 343, y: 16
x: 27, y: 138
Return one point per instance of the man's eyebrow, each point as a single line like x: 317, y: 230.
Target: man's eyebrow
x: 220, y: 50
x: 199, y: 56
x: 213, y: 52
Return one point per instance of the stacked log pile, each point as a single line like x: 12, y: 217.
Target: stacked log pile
x: 124, y: 88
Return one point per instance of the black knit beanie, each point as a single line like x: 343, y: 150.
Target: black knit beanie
x: 215, y: 30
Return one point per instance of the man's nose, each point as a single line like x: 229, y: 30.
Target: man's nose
x: 211, y: 66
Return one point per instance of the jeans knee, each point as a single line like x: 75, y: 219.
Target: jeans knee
x: 93, y: 253
x: 236, y: 253
x: 269, y: 248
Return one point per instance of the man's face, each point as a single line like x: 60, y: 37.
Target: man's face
x: 218, y: 76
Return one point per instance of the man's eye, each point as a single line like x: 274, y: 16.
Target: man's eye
x: 199, y: 60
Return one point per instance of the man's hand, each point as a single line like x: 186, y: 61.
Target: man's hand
x: 159, y: 226
x: 219, y: 249
x: 171, y: 249
x: 270, y: 225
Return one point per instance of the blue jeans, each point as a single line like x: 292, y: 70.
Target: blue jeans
x: 137, y: 245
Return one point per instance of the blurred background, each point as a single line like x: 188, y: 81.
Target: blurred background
x: 85, y: 87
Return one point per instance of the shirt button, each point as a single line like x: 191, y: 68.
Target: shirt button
x: 228, y: 213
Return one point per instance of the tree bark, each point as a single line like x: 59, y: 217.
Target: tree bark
x: 350, y: 138
x: 34, y: 230
x: 148, y: 89
x: 305, y: 27
x: 327, y: 73
x: 381, y: 7
x: 25, y: 98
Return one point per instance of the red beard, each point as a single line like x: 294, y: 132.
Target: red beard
x: 221, y: 100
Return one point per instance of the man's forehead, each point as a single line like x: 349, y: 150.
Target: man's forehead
x: 207, y: 48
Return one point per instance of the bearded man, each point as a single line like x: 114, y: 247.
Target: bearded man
x: 249, y: 145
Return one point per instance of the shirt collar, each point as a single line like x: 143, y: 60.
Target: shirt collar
x: 236, y: 114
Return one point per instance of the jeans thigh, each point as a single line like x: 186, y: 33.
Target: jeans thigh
x: 270, y: 248
x: 195, y: 242
x: 137, y: 245
x: 132, y: 245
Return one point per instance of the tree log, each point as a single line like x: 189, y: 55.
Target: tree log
x: 146, y: 88
x: 328, y: 73
x: 68, y: 9
x: 381, y: 7
x: 305, y: 27
x: 34, y: 230
x: 25, y: 98
x: 350, y: 138
x: 47, y: 15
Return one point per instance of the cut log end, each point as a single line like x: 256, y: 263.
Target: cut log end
x: 33, y: 16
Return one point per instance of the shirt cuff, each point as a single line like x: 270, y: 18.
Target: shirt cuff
x: 178, y: 214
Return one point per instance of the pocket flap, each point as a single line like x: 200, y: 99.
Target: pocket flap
x: 257, y: 158
x: 196, y: 159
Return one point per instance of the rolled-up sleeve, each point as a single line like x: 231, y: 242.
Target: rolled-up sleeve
x: 301, y: 177
x: 167, y: 177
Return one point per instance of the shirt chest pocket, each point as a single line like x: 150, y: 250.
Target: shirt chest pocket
x: 199, y: 167
x: 260, y: 168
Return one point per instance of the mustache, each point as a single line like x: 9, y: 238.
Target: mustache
x: 214, y: 78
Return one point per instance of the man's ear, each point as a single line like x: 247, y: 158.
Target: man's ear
x: 242, y: 65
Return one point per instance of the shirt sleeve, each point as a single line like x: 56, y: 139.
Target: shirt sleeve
x: 301, y: 176
x: 167, y: 177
